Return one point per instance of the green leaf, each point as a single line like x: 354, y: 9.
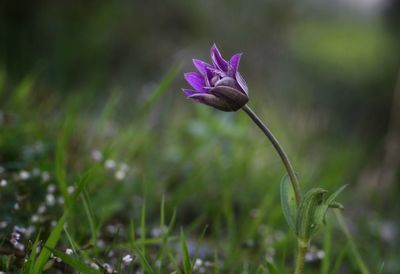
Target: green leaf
x: 331, y: 203
x: 50, y: 244
x: 272, y: 268
x: 145, y: 263
x: 309, y: 215
x: 288, y: 202
x: 30, y: 264
x: 199, y: 244
x: 333, y: 196
x: 187, y: 266
x: 57, y: 230
x: 313, y: 210
x: 75, y: 263
x: 336, y: 205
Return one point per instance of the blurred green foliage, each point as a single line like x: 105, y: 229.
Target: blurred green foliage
x: 83, y: 79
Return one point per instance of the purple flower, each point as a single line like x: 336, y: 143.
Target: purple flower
x: 220, y: 84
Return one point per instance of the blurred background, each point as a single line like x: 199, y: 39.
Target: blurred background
x: 325, y: 75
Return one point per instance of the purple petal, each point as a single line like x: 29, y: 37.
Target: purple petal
x: 211, y: 100
x: 201, y: 66
x: 235, y: 98
x: 217, y: 59
x: 189, y: 92
x: 234, y: 62
x: 226, y: 81
x: 195, y: 80
x: 209, y: 75
x: 242, y: 82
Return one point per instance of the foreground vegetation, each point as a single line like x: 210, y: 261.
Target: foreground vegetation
x: 90, y: 186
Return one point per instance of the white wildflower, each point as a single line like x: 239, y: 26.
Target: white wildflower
x: 51, y: 188
x: 24, y: 175
x: 71, y: 189
x: 127, y: 259
x: 110, y: 164
x: 94, y: 266
x: 120, y: 175
x: 3, y: 182
x: 97, y: 155
x: 45, y: 176
x: 50, y: 200
x: 69, y: 251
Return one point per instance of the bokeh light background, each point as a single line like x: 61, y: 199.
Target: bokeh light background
x: 324, y: 74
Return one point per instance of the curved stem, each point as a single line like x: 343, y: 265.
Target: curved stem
x: 280, y: 150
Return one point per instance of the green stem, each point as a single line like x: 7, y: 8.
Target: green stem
x: 279, y: 149
x: 301, y: 252
x: 301, y: 245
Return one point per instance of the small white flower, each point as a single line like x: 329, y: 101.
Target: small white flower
x: 51, y: 188
x: 50, y: 200
x: 69, y: 251
x: 19, y: 229
x: 19, y: 246
x: 16, y: 236
x: 198, y: 262
x: 97, y: 155
x: 158, y: 231
x: 45, y: 176
x: 320, y: 254
x: 94, y: 266
x: 58, y: 260
x: 16, y: 206
x: 127, y: 259
x: 3, y: 224
x: 41, y: 209
x: 3, y: 182
x: 110, y: 164
x: 35, y: 218
x: 71, y: 189
x: 107, y: 268
x: 24, y: 175
x: 120, y: 175
x: 100, y: 244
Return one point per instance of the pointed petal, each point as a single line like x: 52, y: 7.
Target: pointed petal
x: 201, y: 66
x: 217, y: 59
x: 242, y: 82
x: 195, y: 80
x: 212, y: 101
x: 189, y: 92
x: 234, y: 62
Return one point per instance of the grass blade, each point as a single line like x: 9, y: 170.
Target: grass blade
x: 90, y: 215
x: 353, y: 247
x: 272, y: 268
x: 145, y: 263
x: 187, y: 266
x: 162, y: 88
x: 50, y: 244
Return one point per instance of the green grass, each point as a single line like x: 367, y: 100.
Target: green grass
x: 164, y: 166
